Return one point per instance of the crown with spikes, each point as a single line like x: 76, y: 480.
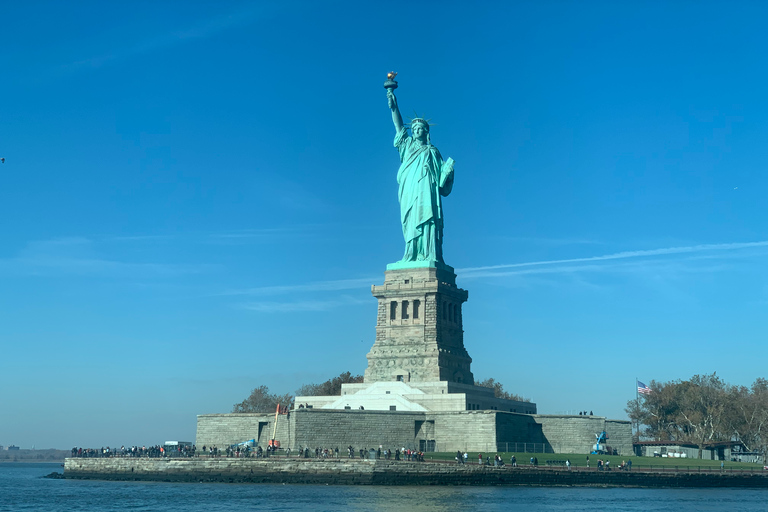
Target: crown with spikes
x: 419, y: 120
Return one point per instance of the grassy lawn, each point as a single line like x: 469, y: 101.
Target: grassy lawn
x: 580, y: 460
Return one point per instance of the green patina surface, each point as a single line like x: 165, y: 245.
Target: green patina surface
x: 423, y: 179
x: 400, y: 265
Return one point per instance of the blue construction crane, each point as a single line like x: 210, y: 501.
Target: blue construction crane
x: 599, y: 447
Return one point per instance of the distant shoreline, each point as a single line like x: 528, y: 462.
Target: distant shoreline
x: 26, y: 456
x: 32, y: 461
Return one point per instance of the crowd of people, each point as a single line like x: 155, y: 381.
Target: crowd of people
x: 606, y: 465
x: 135, y: 451
x: 405, y: 454
x: 245, y: 451
x: 498, y: 461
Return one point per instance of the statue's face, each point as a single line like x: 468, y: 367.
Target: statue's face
x: 419, y: 132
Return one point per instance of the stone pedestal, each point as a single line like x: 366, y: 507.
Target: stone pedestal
x: 419, y: 332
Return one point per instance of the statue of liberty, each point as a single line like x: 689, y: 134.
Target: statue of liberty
x: 422, y: 179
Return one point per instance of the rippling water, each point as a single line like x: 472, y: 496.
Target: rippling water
x: 23, y: 489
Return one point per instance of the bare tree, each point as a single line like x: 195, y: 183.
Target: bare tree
x: 747, y: 415
x: 701, y: 409
x: 638, y: 415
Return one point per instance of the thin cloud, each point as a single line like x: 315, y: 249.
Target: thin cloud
x: 287, y: 307
x: 78, y: 256
x: 140, y: 238
x: 206, y: 28
x: 261, y: 234
x: 51, y: 265
x: 318, y: 286
x: 572, y: 266
x: 670, y: 268
x: 547, y: 241
x: 217, y: 237
x: 473, y: 271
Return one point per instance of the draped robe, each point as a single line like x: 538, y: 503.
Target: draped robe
x: 422, y: 179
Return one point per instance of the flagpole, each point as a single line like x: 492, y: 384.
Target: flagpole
x: 637, y: 402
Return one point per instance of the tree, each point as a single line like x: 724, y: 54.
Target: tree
x: 703, y: 410
x: 261, y: 400
x: 498, y: 390
x: 637, y: 415
x: 747, y: 415
x: 330, y: 387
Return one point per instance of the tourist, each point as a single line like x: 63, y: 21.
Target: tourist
x: 459, y: 457
x: 587, y: 460
x: 513, y: 461
x: 629, y: 465
x: 480, y: 459
x: 465, y: 457
x: 568, y: 464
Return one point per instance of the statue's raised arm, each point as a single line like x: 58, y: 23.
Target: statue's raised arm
x: 390, y: 85
x: 396, y: 117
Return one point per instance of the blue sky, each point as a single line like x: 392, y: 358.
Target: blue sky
x: 197, y: 197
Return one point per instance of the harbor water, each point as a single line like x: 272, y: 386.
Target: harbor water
x: 23, y: 488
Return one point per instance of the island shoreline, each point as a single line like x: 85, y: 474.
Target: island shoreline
x: 387, y: 472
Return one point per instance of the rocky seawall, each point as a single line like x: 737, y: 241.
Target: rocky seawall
x: 382, y: 472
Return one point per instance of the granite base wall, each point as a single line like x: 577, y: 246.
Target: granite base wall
x: 360, y: 429
x: 484, y: 431
x: 345, y: 472
x: 222, y: 430
x: 576, y: 434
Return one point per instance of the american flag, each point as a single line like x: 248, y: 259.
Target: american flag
x: 642, y: 388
